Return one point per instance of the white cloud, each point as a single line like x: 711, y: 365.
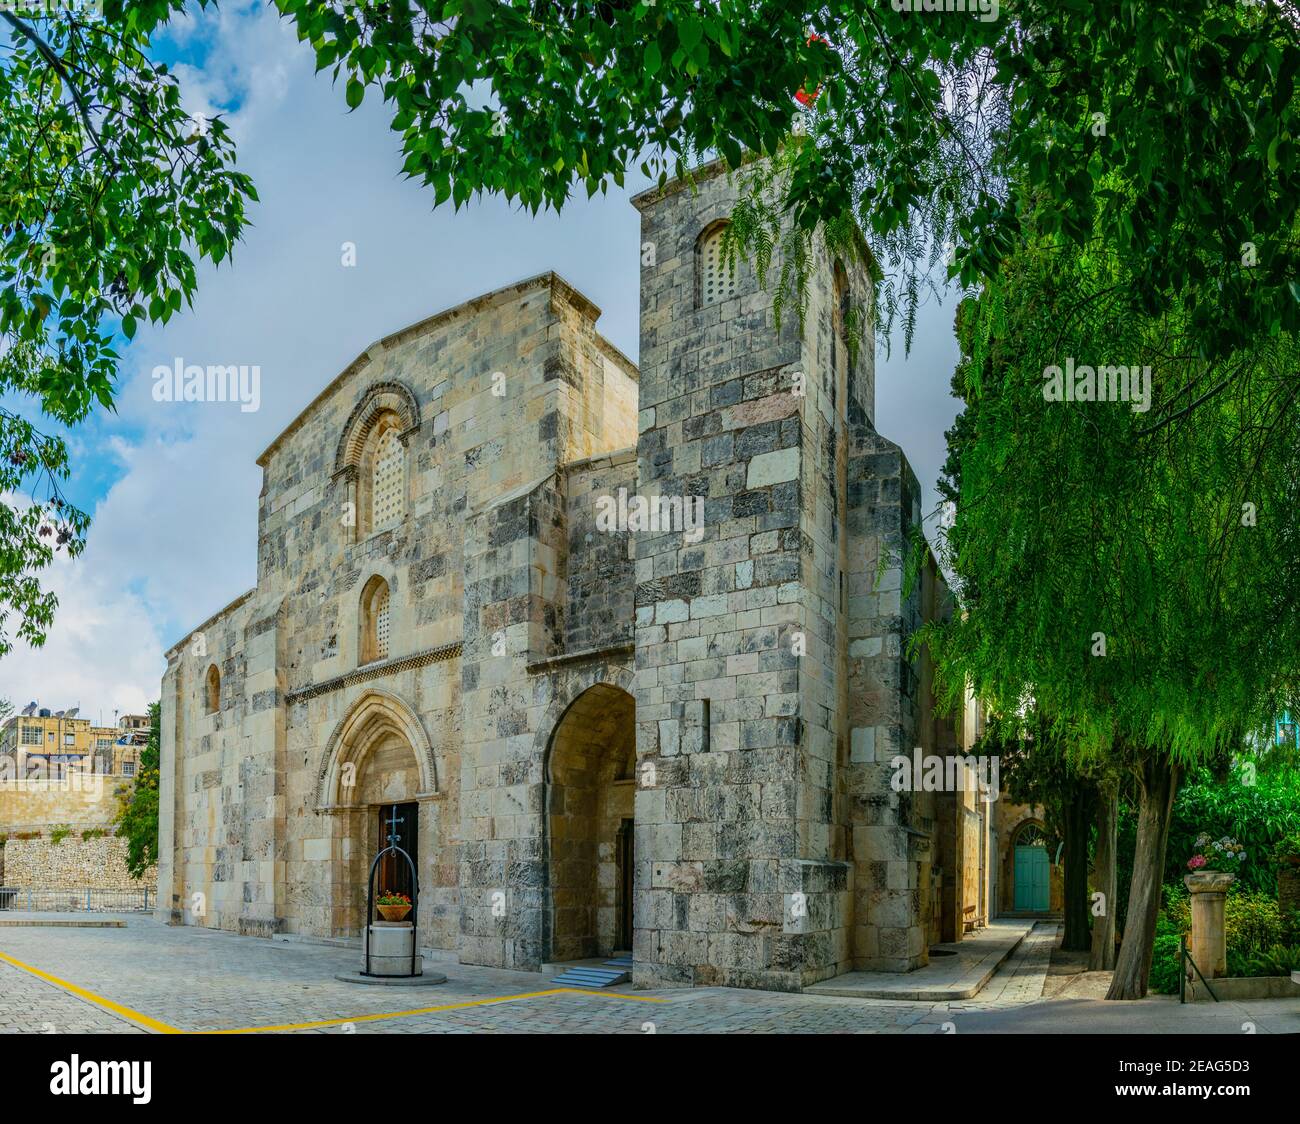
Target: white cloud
x: 103, y: 654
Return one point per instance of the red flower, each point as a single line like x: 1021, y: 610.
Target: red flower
x: 801, y: 95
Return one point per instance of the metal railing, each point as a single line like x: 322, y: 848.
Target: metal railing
x: 1185, y: 958
x: 31, y: 899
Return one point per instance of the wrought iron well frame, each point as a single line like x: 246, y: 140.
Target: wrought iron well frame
x: 415, y: 898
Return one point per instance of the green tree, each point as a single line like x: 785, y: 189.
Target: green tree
x: 109, y: 191
x: 137, y: 820
x: 1164, y: 128
x: 1115, y: 560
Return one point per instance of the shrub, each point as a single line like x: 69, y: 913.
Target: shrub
x: 59, y: 834
x: 1260, y: 941
x: 1253, y: 922
x: 93, y: 833
x: 1288, y: 845
x: 1164, y: 963
x: 1260, y: 815
x: 1279, y: 960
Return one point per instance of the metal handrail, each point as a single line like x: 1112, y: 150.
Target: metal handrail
x: 75, y: 899
x: 1183, y: 954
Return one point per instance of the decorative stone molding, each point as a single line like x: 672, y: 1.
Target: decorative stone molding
x: 375, y: 671
x: 351, y: 733
x: 381, y: 398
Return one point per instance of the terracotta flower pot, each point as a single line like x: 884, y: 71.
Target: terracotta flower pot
x: 394, y: 912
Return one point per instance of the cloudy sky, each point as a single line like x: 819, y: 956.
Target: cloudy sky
x: 173, y: 487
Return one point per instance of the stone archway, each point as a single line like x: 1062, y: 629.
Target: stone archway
x: 1031, y: 869
x: 589, y: 810
x: 377, y: 757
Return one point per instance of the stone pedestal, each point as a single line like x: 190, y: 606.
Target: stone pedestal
x: 1208, y: 944
x: 391, y: 945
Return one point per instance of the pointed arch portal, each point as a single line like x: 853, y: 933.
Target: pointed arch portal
x: 377, y: 757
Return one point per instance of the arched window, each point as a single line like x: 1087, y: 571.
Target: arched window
x: 374, y: 620
x: 387, y: 478
x: 716, y: 276
x: 212, y: 690
x: 1030, y: 835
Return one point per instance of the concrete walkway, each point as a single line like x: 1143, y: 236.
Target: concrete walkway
x: 945, y: 978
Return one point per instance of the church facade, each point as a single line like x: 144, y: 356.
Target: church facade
x: 673, y: 737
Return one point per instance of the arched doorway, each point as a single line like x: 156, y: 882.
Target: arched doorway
x: 590, y: 797
x: 1031, y: 870
x: 376, y: 775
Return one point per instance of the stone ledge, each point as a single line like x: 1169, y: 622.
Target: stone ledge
x: 375, y: 671
x: 586, y: 655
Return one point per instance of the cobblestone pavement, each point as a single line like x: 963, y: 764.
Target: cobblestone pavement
x: 198, y: 979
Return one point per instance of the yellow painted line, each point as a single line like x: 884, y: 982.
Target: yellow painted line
x: 91, y: 997
x: 164, y: 1028
x: 436, y: 1010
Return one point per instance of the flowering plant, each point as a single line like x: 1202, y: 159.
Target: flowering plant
x: 392, y: 897
x: 1225, y: 855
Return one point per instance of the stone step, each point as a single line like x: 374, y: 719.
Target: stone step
x: 591, y: 978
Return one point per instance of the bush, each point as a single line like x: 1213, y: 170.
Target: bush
x: 1288, y: 845
x: 1260, y: 941
x: 59, y: 834
x: 93, y: 833
x: 1164, y: 964
x: 1253, y: 922
x: 1279, y: 960
x: 1262, y: 815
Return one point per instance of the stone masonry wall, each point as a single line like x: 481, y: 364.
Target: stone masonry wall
x: 82, y: 800
x: 737, y: 666
x: 71, y: 864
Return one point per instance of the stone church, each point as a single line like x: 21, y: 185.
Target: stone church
x: 595, y: 739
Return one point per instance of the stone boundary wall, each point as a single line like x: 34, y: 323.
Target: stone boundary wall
x: 72, y: 864
x: 80, y: 800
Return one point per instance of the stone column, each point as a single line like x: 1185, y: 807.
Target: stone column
x: 1209, y: 946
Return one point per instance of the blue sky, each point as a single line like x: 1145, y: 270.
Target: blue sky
x: 173, y: 487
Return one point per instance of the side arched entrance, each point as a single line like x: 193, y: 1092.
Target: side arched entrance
x: 1031, y: 871
x: 589, y: 822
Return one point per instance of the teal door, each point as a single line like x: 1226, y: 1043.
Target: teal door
x: 1031, y: 888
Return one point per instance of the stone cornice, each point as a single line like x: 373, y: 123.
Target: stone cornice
x: 375, y: 671
x: 586, y: 655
